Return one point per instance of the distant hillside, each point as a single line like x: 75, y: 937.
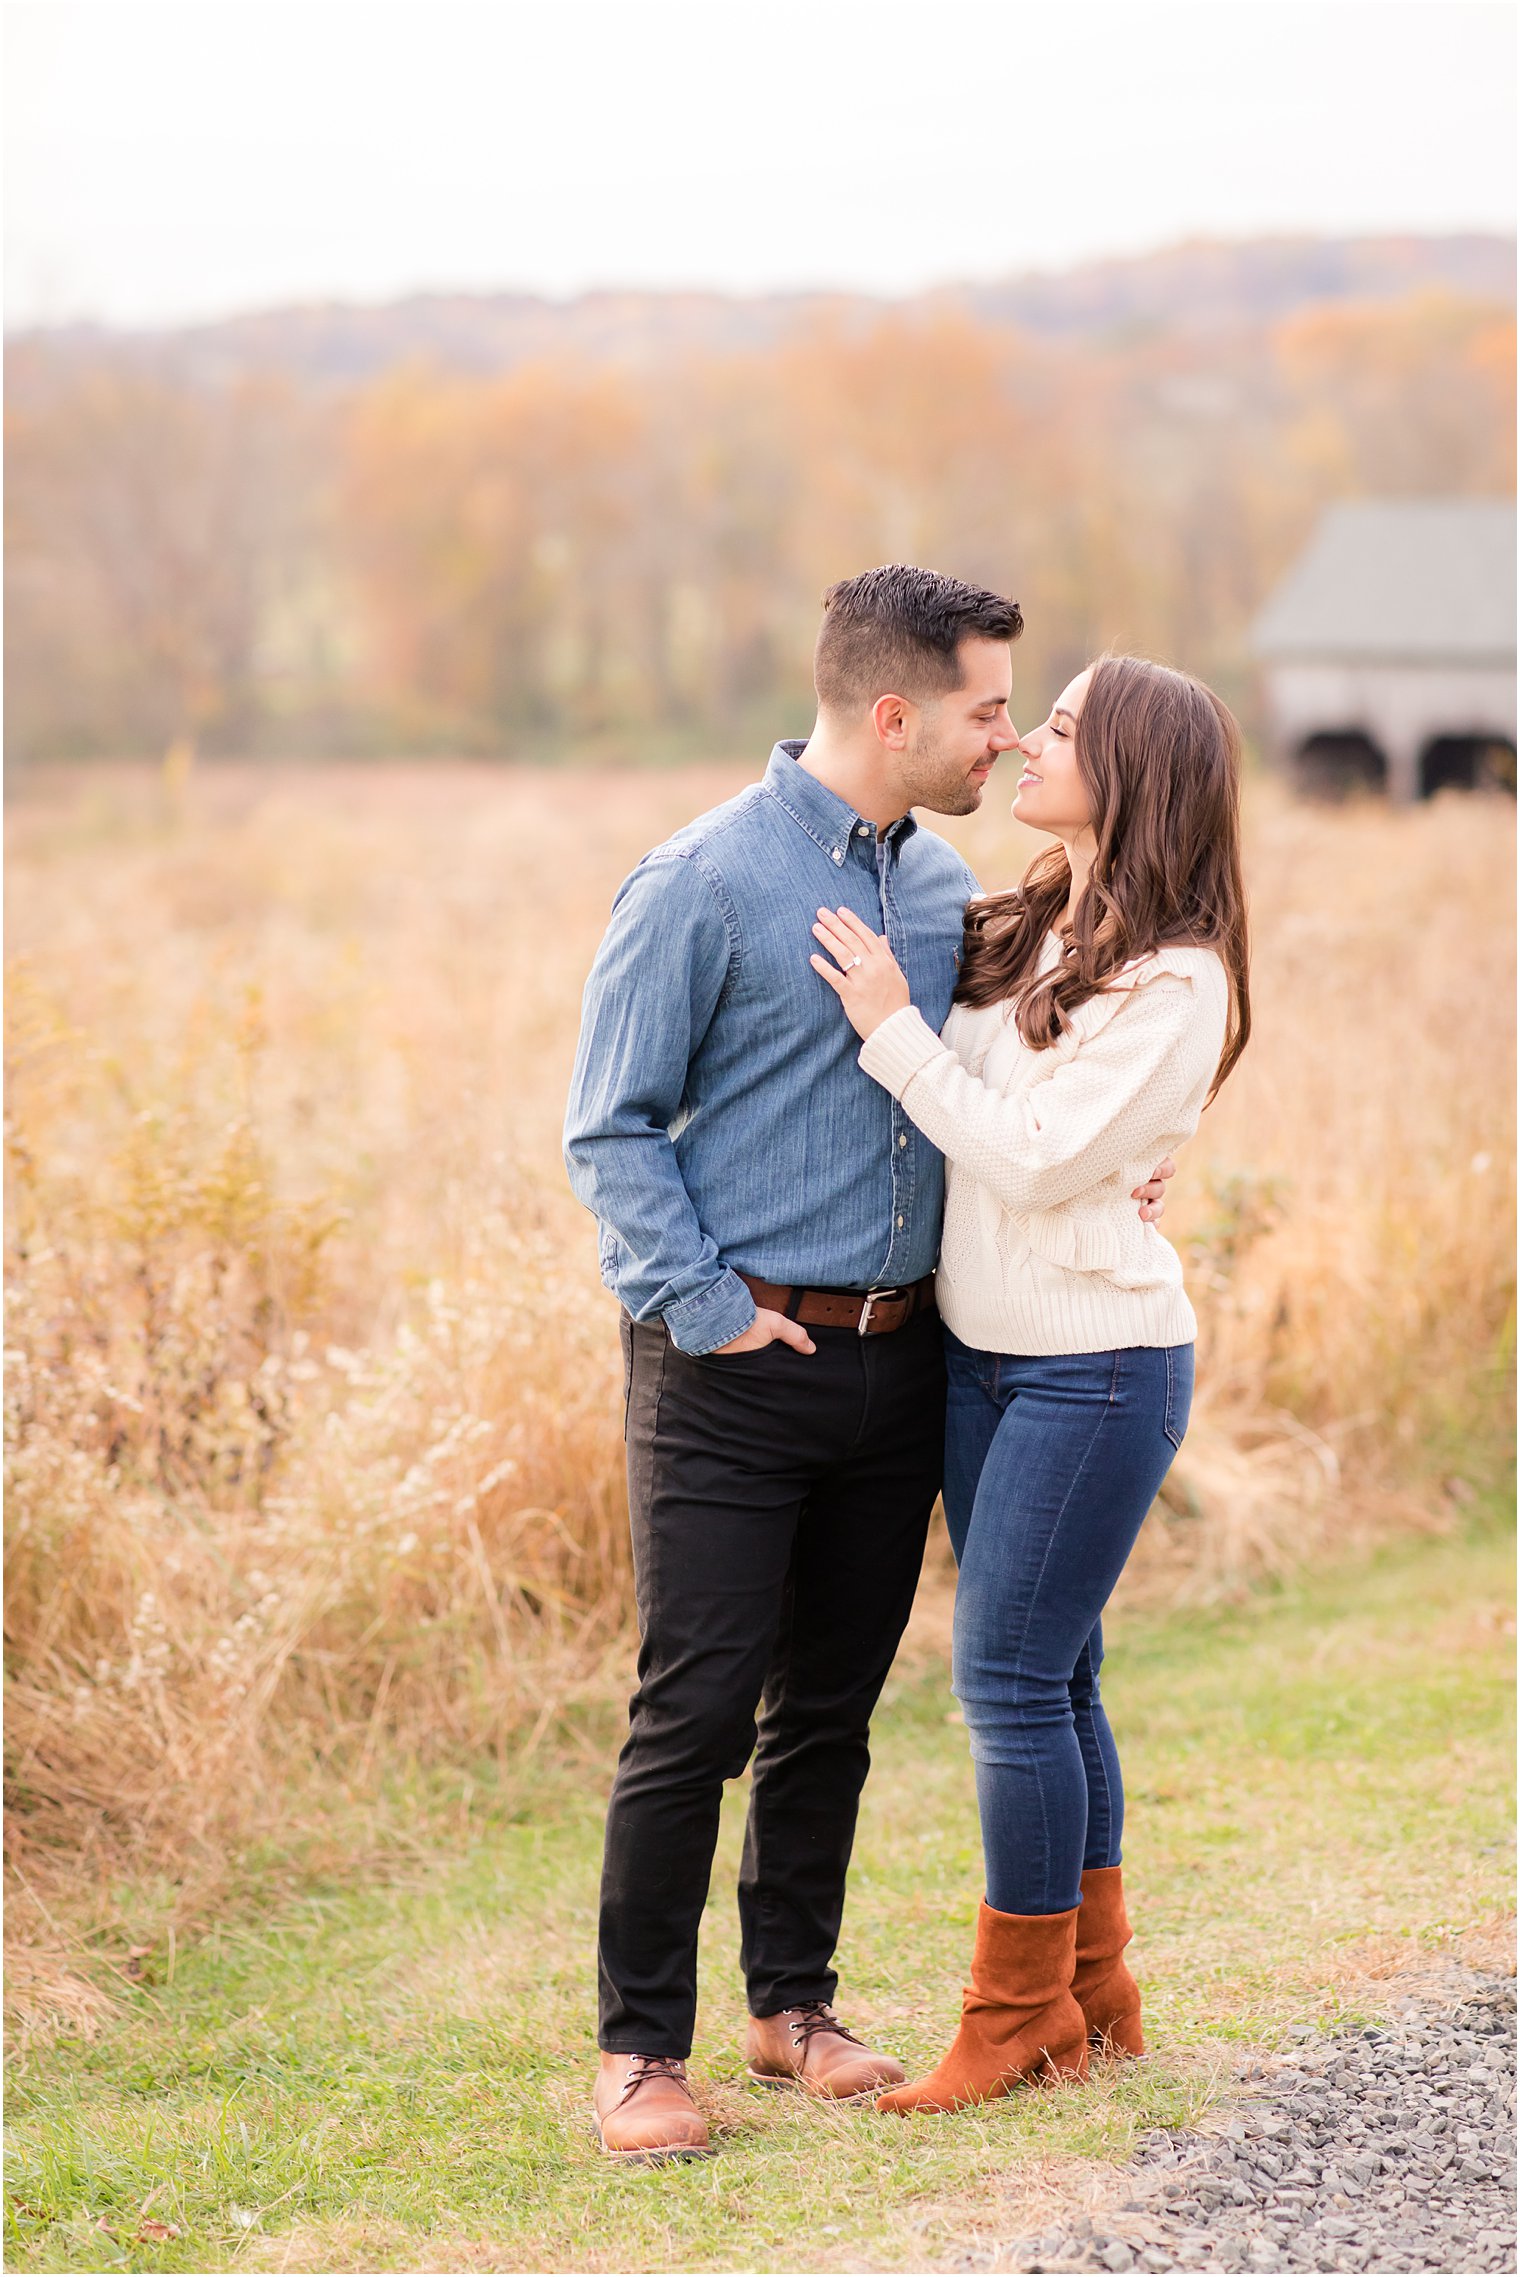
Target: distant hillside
x: 1198, y: 286
x: 1201, y: 285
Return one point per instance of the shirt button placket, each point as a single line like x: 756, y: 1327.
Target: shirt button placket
x: 899, y: 950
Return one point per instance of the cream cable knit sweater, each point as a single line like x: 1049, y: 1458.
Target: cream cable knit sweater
x: 1044, y: 1250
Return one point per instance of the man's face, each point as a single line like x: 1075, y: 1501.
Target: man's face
x: 955, y: 740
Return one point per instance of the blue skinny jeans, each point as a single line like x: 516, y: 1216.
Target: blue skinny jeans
x: 1051, y: 1463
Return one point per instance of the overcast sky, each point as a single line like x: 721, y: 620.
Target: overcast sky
x: 174, y: 159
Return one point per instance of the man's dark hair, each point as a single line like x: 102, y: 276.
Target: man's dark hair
x: 897, y: 631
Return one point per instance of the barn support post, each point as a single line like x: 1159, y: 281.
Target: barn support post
x: 1402, y: 752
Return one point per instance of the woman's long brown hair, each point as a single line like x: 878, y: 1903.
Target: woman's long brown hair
x: 1160, y: 757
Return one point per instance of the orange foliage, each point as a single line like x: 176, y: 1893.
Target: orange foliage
x: 487, y: 529
x: 1385, y: 393
x: 590, y: 549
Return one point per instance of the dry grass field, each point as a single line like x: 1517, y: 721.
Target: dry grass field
x: 313, y: 1427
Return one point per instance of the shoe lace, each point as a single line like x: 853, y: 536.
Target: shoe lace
x: 642, y: 2069
x: 815, y: 2016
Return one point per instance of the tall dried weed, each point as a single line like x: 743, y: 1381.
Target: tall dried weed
x: 313, y: 1410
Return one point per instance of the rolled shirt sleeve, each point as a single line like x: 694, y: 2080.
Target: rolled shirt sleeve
x: 657, y: 981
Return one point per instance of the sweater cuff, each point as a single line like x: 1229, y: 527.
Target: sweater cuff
x: 900, y: 1049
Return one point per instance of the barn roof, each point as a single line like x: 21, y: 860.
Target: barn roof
x: 1413, y: 580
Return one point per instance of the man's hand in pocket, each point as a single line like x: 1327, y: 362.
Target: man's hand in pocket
x: 771, y: 1328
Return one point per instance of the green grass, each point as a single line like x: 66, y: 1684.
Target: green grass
x: 392, y: 2074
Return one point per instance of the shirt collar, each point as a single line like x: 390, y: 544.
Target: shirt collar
x: 818, y: 810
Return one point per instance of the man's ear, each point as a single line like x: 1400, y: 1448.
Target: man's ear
x: 889, y: 717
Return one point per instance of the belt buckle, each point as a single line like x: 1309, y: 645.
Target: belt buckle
x: 874, y: 1297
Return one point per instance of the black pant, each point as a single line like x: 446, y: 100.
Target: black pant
x: 779, y: 1503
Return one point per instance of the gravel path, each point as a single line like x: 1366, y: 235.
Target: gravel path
x: 1391, y: 2148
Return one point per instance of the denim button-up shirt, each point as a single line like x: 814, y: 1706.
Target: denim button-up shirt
x: 718, y: 1120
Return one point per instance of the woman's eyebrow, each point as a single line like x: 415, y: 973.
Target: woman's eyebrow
x: 1060, y: 712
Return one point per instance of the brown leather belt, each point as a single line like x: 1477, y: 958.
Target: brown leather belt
x: 870, y: 1312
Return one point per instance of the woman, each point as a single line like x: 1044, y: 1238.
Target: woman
x: 1100, y: 1006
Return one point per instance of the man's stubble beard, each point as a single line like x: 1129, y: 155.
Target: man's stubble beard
x: 936, y: 782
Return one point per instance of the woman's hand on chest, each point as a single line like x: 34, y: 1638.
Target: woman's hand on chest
x: 860, y: 968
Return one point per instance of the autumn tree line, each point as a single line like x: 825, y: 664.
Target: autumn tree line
x: 588, y: 553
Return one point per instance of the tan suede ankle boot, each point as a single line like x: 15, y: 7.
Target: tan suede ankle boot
x: 1103, y: 1987
x: 1018, y: 2018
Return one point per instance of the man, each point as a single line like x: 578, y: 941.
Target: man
x: 769, y: 1220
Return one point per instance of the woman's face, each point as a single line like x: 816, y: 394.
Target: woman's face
x: 1051, y: 794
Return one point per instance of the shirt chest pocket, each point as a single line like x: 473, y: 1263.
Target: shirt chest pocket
x: 776, y: 985
x: 776, y: 980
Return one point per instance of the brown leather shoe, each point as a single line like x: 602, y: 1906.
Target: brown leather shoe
x: 644, y: 2110
x: 1018, y: 2018
x: 808, y: 2047
x: 1101, y: 1984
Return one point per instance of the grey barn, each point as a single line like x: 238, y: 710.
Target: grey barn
x: 1389, y: 649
